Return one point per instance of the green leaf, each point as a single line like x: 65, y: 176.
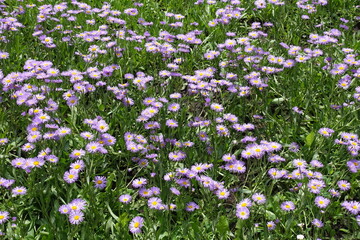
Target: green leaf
x: 309, y: 139
x: 222, y: 226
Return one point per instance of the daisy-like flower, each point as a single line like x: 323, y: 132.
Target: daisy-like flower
x: 78, y: 165
x: 288, y: 206
x: 139, y: 182
x: 243, y: 213
x: 317, y: 223
x: 154, y: 203
x: 217, y: 107
x: 144, y: 192
x: 299, y: 163
x: 344, y: 185
x: 87, y: 135
x: 244, y: 203
x: 316, y: 163
x: 222, y: 193
x: 77, y: 153
x: 174, y: 107
x: 177, y: 156
x: 77, y: 204
x: 258, y: 198
x: 126, y: 198
x: 321, y: 202
x: 136, y: 224
x: 326, y: 132
x: 3, y: 141
x: 64, y: 209
x: 4, y: 216
x: 315, y: 185
x: 63, y: 131
x: 76, y: 217
x: 191, y: 206
x: 184, y: 182
x: 352, y: 206
x: 19, y: 191
x: 71, y: 176
x: 271, y: 225
x: 93, y: 147
x: 100, y: 182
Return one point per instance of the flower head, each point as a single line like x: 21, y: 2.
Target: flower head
x: 136, y: 224
x: 288, y: 206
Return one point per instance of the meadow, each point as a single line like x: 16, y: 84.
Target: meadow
x: 168, y: 119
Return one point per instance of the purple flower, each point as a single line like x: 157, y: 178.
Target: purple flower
x: 243, y: 213
x: 344, y: 185
x: 222, y: 193
x: 77, y: 204
x: 321, y: 202
x: 288, y: 206
x: 76, y: 217
x: 139, y: 182
x: 100, y: 182
x: 271, y: 225
x: 174, y: 107
x: 126, y: 198
x: 64, y: 209
x: 172, y: 123
x: 258, y: 198
x: 154, y: 203
x: 216, y: 107
x: 71, y: 176
x: 352, y: 206
x: 93, y: 147
x: 136, y: 224
x: 177, y: 156
x: 326, y: 132
x: 144, y: 192
x: 315, y: 185
x: 4, y: 216
x: 317, y: 223
x: 19, y: 191
x: 244, y: 203
x: 191, y: 206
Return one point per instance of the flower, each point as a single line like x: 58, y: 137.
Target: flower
x: 19, y: 191
x: 139, y: 182
x: 78, y: 165
x: 271, y: 225
x: 321, y: 202
x: 144, y: 192
x: 344, y: 185
x: 126, y: 198
x: 191, y: 206
x: 326, y: 132
x: 288, y: 206
x: 76, y: 217
x: 317, y: 223
x: 222, y: 193
x: 77, y: 204
x: 244, y: 203
x: 100, y: 182
x: 243, y: 213
x: 258, y: 198
x: 136, y: 224
x: 4, y: 216
x: 64, y: 209
x: 154, y: 203
x: 352, y: 206
x: 71, y: 176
